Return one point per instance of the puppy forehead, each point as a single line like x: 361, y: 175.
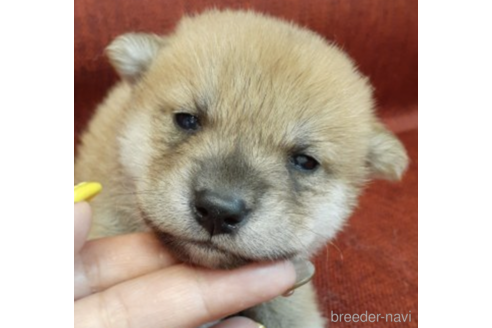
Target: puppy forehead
x: 288, y: 80
x: 257, y: 78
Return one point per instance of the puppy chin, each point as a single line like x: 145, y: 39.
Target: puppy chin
x: 202, y: 254
x: 212, y: 258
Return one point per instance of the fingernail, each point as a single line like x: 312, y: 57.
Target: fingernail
x: 260, y: 325
x: 85, y: 191
x: 304, y: 273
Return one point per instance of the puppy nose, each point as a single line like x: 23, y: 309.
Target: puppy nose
x: 219, y: 213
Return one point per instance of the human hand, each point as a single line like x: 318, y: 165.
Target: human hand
x: 132, y: 281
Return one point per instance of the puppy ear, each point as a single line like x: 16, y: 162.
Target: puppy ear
x: 387, y: 158
x: 131, y: 54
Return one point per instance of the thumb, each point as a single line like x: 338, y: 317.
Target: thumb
x: 82, y: 224
x: 84, y: 191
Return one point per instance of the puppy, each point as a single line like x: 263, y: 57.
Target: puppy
x: 237, y: 138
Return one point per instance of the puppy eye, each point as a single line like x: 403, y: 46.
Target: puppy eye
x: 304, y: 163
x: 187, y: 121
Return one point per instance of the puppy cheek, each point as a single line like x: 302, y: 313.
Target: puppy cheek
x: 268, y: 232
x: 171, y: 202
x: 329, y: 214
x: 135, y: 145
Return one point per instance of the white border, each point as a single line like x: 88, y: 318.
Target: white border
x: 455, y: 216
x: 36, y: 147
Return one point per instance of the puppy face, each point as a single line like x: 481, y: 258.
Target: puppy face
x: 249, y: 138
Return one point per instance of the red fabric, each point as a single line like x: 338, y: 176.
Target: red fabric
x: 373, y: 264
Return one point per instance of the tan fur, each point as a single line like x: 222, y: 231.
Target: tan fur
x: 262, y: 88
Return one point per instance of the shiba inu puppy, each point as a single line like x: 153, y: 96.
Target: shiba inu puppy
x: 237, y: 138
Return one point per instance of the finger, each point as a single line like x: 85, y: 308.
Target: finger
x: 238, y: 322
x: 82, y: 224
x: 183, y: 297
x: 109, y: 261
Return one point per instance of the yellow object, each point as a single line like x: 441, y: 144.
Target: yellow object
x: 85, y: 191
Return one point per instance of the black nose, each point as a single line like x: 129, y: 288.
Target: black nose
x: 219, y: 213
